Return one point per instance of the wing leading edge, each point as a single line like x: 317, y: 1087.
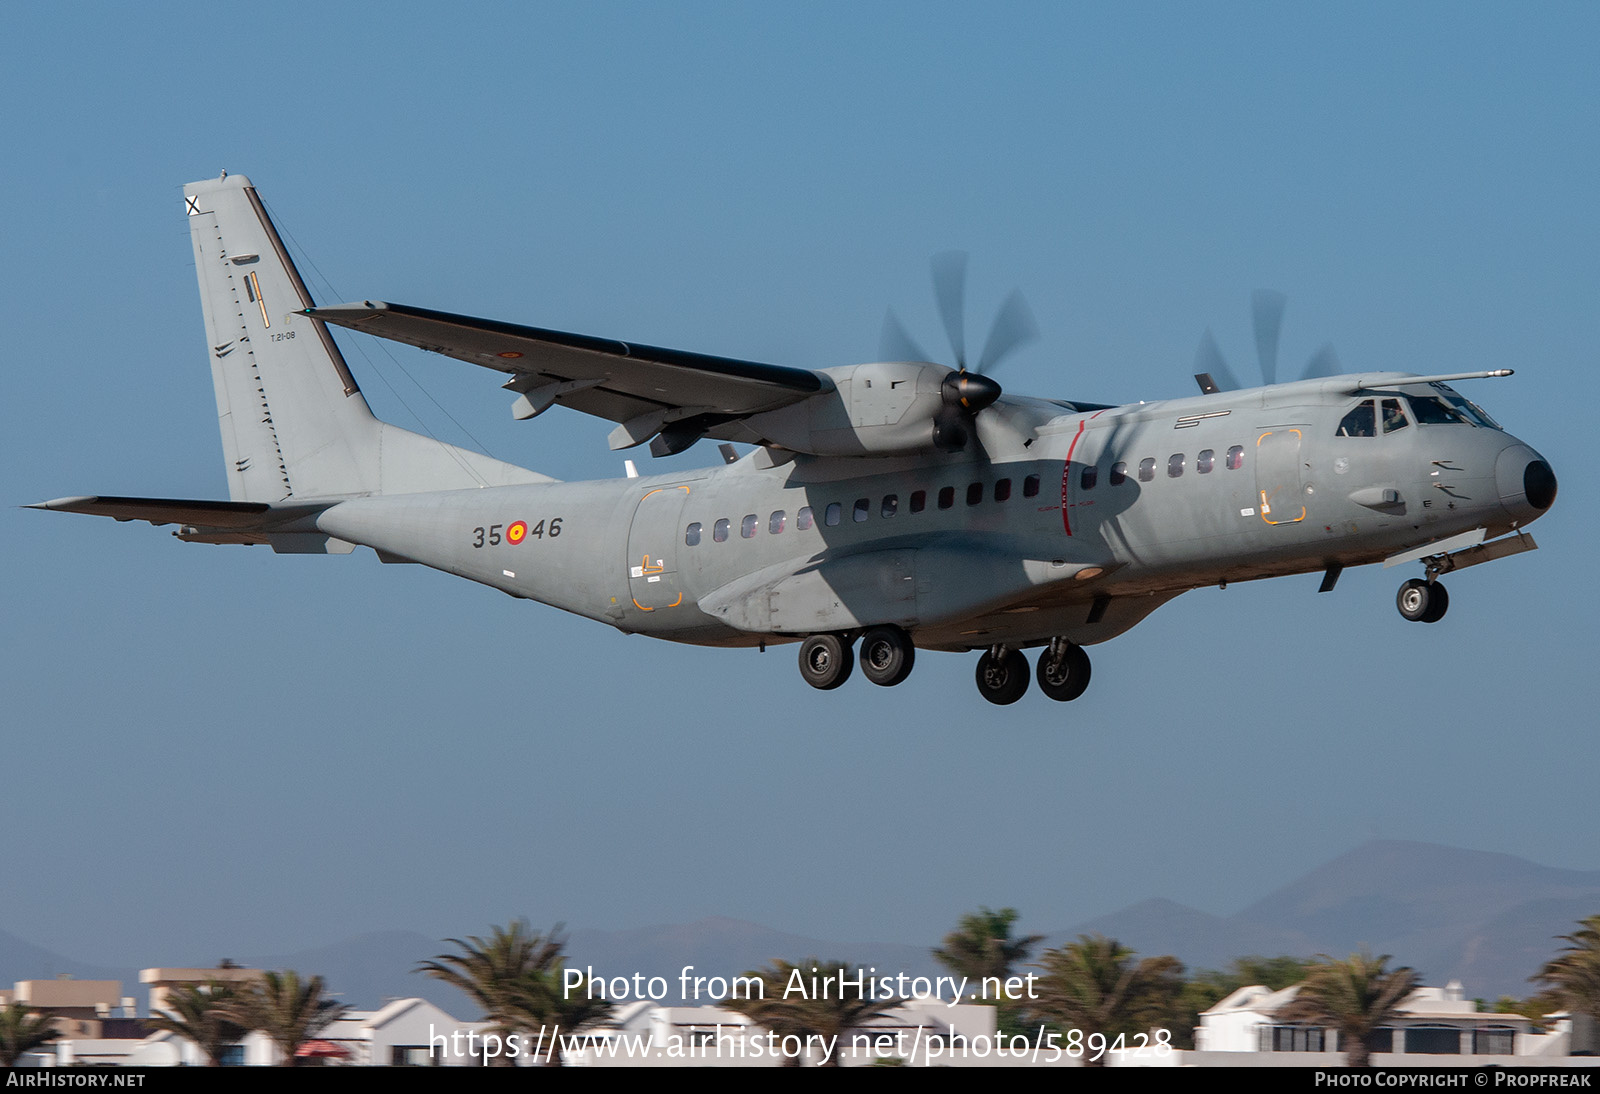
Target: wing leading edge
x: 648, y: 390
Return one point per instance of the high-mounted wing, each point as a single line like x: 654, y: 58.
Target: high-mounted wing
x: 668, y: 394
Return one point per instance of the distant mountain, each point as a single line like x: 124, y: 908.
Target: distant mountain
x: 1488, y: 920
x: 20, y: 960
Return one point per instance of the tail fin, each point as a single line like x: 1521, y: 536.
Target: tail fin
x: 294, y: 423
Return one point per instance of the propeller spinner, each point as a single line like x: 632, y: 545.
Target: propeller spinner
x: 964, y: 392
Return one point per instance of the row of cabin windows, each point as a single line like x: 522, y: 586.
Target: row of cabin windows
x: 860, y: 511
x: 1204, y: 463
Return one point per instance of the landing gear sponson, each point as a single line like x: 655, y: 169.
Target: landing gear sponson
x: 887, y: 656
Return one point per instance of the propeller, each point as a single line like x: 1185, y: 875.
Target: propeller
x: 1266, y: 315
x: 964, y: 392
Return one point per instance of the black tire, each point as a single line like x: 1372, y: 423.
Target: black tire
x: 1005, y: 681
x: 1421, y: 602
x: 1066, y: 679
x: 1438, y: 604
x: 887, y: 655
x: 825, y: 661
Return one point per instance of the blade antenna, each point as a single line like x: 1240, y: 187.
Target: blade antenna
x: 1014, y: 327
x: 950, y: 290
x: 1266, y: 308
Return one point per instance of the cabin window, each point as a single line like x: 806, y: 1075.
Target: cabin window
x: 863, y: 509
x: 974, y: 493
x: 919, y: 500
x: 1147, y: 469
x: 833, y: 514
x: 1030, y: 486
x: 890, y: 506
x: 1205, y: 461
x: 1235, y: 457
x: 1089, y: 476
x: 776, y: 521
x: 691, y: 535
x: 1394, y: 416
x: 1002, y: 490
x: 719, y: 530
x: 947, y: 496
x: 1119, y: 473
x: 1359, y: 422
x: 1175, y: 466
x: 747, y: 527
x: 804, y: 519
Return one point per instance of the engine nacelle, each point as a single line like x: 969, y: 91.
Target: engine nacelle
x: 879, y: 409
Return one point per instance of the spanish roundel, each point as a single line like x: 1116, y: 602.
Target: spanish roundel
x: 516, y: 532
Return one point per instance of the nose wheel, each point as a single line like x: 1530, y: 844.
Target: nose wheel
x: 1422, y: 601
x: 825, y: 661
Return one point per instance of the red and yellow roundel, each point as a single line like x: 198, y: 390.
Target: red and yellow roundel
x: 516, y: 533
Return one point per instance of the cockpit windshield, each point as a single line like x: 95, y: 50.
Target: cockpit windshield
x: 1466, y: 408
x: 1431, y: 410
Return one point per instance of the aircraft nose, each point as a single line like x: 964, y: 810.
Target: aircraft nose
x: 1526, y: 484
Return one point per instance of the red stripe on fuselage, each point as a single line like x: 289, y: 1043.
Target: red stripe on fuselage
x: 1066, y: 473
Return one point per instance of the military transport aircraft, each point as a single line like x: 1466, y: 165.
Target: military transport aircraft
x: 900, y: 504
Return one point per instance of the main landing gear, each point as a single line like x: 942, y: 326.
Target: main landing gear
x: 1063, y: 673
x: 886, y: 658
x: 1422, y: 601
x: 887, y: 655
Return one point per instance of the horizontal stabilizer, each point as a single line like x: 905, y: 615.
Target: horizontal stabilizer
x: 207, y: 514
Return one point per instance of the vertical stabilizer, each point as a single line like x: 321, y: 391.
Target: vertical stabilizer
x: 294, y: 423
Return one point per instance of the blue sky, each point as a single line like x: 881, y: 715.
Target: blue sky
x: 213, y: 750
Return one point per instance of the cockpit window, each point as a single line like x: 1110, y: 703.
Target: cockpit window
x: 1394, y: 415
x: 1360, y: 422
x: 1468, y: 409
x: 1432, y: 411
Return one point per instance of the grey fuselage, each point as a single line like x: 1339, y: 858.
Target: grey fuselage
x: 967, y: 552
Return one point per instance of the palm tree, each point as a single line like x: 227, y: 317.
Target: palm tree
x: 516, y: 977
x: 22, y: 1031
x: 1095, y: 985
x: 982, y: 950
x: 982, y: 946
x: 829, y: 1015
x: 541, y: 999
x: 206, y: 1015
x: 288, y: 1010
x: 1574, y: 975
x: 1357, y: 997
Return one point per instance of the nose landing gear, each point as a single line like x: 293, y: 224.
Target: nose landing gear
x: 1422, y: 601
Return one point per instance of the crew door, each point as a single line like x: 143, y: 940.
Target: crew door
x: 654, y: 540
x: 1278, y: 489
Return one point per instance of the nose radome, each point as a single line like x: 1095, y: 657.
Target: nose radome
x: 1525, y: 482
